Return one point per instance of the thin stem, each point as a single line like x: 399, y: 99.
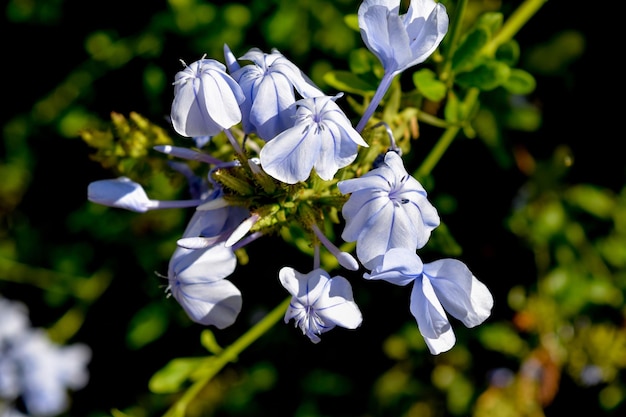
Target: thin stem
x: 454, y: 35
x: 228, y: 355
x: 378, y: 96
x: 445, y: 140
x: 513, y: 24
x: 233, y: 141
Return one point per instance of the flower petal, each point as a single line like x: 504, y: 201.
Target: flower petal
x: 460, y: 292
x: 399, y: 266
x: 431, y: 318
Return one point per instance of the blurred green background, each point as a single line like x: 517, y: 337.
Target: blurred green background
x: 537, y: 210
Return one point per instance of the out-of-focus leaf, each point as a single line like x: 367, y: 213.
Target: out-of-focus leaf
x: 348, y: 82
x: 486, y: 76
x: 207, y: 338
x: 508, y: 52
x: 146, y: 326
x: 172, y: 376
x: 427, y: 83
x: 469, y: 49
x: 520, y: 82
x: 592, y: 199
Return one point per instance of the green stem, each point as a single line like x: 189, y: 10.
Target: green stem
x: 228, y: 355
x: 513, y: 24
x: 446, y: 138
x: 454, y: 36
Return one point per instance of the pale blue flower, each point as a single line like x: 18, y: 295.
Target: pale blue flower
x: 206, y: 99
x: 321, y: 138
x: 124, y: 193
x: 399, y: 41
x: 387, y: 208
x: 319, y: 303
x: 402, y: 41
x: 439, y: 286
x: 33, y: 369
x: 269, y: 84
x: 196, y: 281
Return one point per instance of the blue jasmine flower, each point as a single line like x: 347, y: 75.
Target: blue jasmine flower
x: 124, y: 193
x: 196, y: 281
x: 440, y: 286
x: 319, y: 302
x: 269, y: 85
x: 321, y: 138
x: 206, y: 99
x: 387, y: 209
x: 33, y: 369
x: 48, y: 370
x: 399, y: 41
x: 196, y: 276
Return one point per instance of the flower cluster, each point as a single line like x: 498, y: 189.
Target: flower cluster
x: 288, y: 143
x: 34, y: 371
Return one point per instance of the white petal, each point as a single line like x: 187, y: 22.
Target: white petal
x: 460, y: 293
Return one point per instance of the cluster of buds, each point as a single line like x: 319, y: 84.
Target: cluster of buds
x: 293, y: 162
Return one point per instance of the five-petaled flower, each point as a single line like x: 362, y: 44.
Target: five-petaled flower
x: 206, y: 99
x: 439, y: 286
x: 387, y: 209
x: 319, y: 302
x: 322, y: 138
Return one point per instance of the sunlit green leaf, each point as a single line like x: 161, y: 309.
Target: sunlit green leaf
x: 427, y: 83
x: 469, y: 50
x: 486, y: 76
x: 172, y: 376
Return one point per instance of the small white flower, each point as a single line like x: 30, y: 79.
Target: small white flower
x: 319, y: 302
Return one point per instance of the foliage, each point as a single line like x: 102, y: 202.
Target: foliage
x: 542, y: 223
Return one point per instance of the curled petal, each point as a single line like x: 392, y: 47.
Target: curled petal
x: 431, y: 318
x: 459, y: 291
x: 402, y: 41
x: 399, y: 266
x: 319, y: 302
x: 206, y: 100
x: 196, y: 281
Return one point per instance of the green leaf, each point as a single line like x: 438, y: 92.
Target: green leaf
x: 427, y: 83
x: 469, y: 50
x: 348, y: 82
x: 594, y: 200
x: 508, y: 52
x: 117, y: 413
x: 146, y: 326
x: 487, y: 76
x: 352, y: 21
x: 170, y: 378
x: 491, y: 21
x: 207, y: 339
x: 520, y: 82
x: 452, y: 110
x: 362, y: 61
